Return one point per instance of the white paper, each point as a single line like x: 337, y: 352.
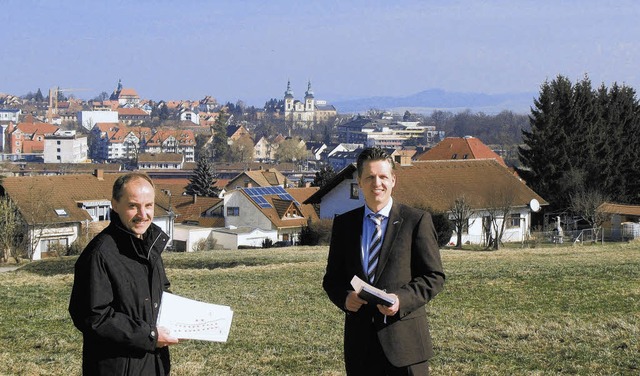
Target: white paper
x: 192, y: 319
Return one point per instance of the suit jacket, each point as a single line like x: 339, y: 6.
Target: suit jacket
x: 409, y: 266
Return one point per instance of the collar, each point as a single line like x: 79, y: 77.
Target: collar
x: 384, y: 211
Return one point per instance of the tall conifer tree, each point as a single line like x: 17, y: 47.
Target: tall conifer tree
x: 202, y: 181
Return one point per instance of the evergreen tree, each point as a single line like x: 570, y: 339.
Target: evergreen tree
x: 202, y: 181
x: 544, y: 157
x: 39, y: 97
x: 219, y: 147
x: 583, y: 140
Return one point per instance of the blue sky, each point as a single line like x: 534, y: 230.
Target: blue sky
x: 348, y: 49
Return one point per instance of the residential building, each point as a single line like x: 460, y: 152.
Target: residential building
x: 269, y: 208
x: 65, y: 147
x: 89, y: 119
x: 467, y: 147
x: 26, y: 139
x: 257, y: 178
x: 189, y: 115
x: 10, y: 114
x: 160, y: 161
x: 132, y: 115
x: 236, y: 132
x: 435, y: 185
x: 180, y: 141
x: 58, y: 209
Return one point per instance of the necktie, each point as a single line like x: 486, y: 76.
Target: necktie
x: 374, y: 246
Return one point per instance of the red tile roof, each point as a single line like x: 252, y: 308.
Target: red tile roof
x: 460, y: 148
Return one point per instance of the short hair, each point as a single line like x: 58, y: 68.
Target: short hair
x: 122, y: 180
x: 373, y: 154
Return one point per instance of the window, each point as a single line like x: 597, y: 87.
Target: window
x: 454, y: 156
x: 61, y: 213
x: 46, y: 244
x: 58, y: 142
x: 233, y: 211
x: 355, y: 192
x: 514, y: 220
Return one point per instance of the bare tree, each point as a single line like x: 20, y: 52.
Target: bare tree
x: 242, y: 150
x: 499, y: 209
x: 37, y: 216
x: 461, y: 212
x: 585, y: 204
x: 9, y: 229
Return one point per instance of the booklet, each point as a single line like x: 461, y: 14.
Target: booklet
x: 192, y: 319
x: 371, y: 294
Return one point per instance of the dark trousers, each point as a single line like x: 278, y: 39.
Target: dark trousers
x: 377, y: 364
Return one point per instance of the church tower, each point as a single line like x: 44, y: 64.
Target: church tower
x: 308, y: 99
x: 288, y: 99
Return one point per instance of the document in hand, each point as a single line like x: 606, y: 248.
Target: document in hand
x: 191, y: 319
x: 371, y: 294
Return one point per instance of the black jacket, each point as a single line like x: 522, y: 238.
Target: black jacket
x: 118, y: 284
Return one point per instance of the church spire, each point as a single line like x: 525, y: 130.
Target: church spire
x: 288, y: 93
x: 309, y: 92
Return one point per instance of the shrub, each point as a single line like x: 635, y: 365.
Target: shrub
x: 202, y: 245
x: 78, y: 246
x: 316, y: 233
x: 267, y: 243
x: 444, y: 228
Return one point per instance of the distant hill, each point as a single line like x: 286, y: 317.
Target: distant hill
x: 437, y: 99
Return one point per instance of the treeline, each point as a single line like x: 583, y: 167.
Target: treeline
x: 583, y: 142
x: 503, y: 129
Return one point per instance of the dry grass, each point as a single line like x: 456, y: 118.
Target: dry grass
x: 544, y: 311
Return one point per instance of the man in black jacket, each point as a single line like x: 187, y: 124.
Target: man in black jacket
x: 118, y: 285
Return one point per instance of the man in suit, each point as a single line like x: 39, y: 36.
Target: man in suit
x: 394, y: 248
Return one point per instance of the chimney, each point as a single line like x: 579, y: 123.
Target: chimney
x: 99, y: 174
x: 195, y: 198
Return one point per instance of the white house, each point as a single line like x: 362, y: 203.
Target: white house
x: 435, y: 185
x: 187, y: 237
x: 58, y: 209
x: 236, y: 237
x: 268, y: 209
x: 88, y: 119
x: 65, y: 147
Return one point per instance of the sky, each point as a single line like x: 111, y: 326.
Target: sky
x: 248, y: 50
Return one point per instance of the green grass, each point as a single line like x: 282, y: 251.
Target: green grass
x: 540, y: 311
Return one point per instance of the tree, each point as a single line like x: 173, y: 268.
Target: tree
x: 202, y: 181
x: 443, y: 226
x: 103, y: 96
x: 581, y: 138
x: 291, y: 150
x: 39, y: 97
x: 499, y: 209
x: 461, y: 212
x: 219, y: 147
x: 585, y: 203
x: 323, y: 176
x: 10, y: 227
x: 241, y: 150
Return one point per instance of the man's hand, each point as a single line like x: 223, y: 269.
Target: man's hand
x: 390, y: 311
x: 164, y: 338
x: 353, y: 302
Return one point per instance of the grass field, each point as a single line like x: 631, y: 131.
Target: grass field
x: 541, y: 311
